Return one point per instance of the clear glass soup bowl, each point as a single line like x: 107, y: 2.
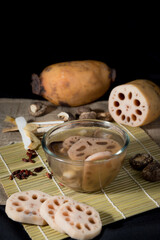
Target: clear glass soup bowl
x: 82, y: 175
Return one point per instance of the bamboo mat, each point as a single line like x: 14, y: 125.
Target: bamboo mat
x: 129, y: 194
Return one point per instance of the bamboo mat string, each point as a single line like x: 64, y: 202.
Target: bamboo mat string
x: 20, y: 191
x: 10, y: 173
x: 137, y: 140
x: 44, y: 235
x: 113, y: 205
x: 156, y: 203
x: 129, y: 172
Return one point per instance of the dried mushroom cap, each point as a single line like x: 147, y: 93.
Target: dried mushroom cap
x: 104, y: 116
x: 65, y: 116
x: 82, y: 109
x: 152, y: 172
x: 140, y: 161
x: 88, y: 115
x: 37, y: 109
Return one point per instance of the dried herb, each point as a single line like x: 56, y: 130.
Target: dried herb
x: 31, y: 154
x: 38, y: 169
x: 49, y: 175
x: 21, y: 174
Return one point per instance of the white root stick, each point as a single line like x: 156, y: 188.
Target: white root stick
x: 21, y: 123
x: 35, y: 127
x: 49, y: 123
x: 29, y: 131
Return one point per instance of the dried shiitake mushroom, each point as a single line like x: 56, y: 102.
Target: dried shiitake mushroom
x: 150, y: 169
x: 88, y: 115
x: 106, y: 116
x: 152, y: 172
x: 82, y: 109
x: 37, y: 109
x: 140, y: 160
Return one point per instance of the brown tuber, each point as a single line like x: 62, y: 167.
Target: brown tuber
x: 73, y: 83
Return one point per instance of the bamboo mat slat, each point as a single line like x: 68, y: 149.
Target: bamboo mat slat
x: 129, y: 194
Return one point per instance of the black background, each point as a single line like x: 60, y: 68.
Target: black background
x: 126, y: 37
x: 127, y: 40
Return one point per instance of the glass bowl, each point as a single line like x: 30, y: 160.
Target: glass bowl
x: 77, y: 173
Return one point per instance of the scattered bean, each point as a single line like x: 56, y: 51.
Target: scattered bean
x: 38, y: 169
x: 31, y: 154
x: 49, y: 175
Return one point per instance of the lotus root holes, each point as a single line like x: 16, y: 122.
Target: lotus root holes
x: 87, y: 227
x: 69, y: 209
x: 110, y: 147
x: 128, y: 119
x: 123, y: 117
x: 65, y: 214
x: 71, y: 223
x: 129, y: 95
x: 50, y: 206
x: 67, y: 219
x: 34, y: 197
x: 50, y: 212
x: 91, y: 220
x: 89, y: 212
x: 121, y: 96
x: 56, y: 202
x: 136, y: 102
x: 23, y: 198
x: 90, y: 144
x: 42, y: 200
x: 118, y: 112
x: 78, y: 226
x: 20, y: 209
x: 138, y: 112
x: 101, y: 143
x: 81, y: 148
x: 80, y: 154
x: 79, y: 208
x: 15, y: 204
x: 27, y: 212
x: 34, y: 213
x: 134, y: 118
x: 116, y: 104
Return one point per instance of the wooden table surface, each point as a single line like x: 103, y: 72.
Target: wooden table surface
x: 19, y: 107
